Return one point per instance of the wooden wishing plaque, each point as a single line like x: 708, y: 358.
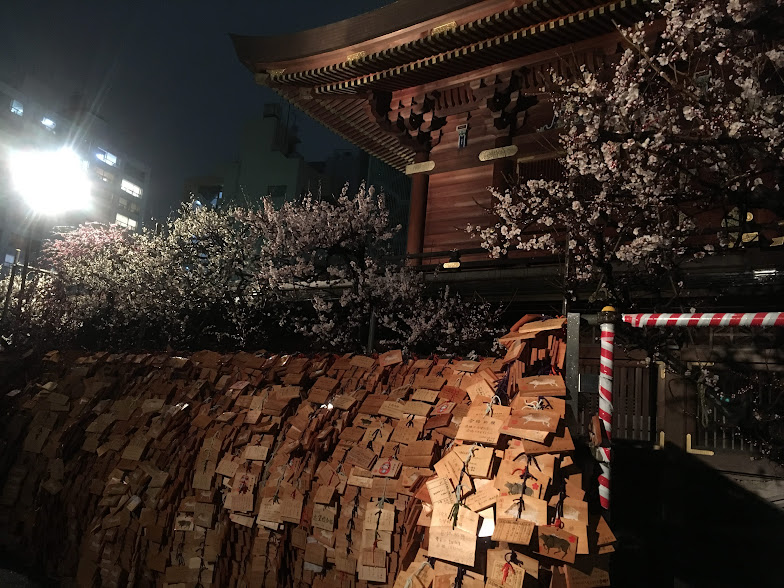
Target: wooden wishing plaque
x: 550, y: 385
x: 480, y: 429
x: 343, y: 402
x: 496, y: 556
x: 516, y: 531
x: 390, y: 358
x: 452, y: 545
x: 536, y: 420
x: 485, y: 496
x: 480, y: 462
x: 557, y: 543
x: 534, y: 509
x: 557, y: 444
x: 416, y: 408
x: 579, y: 579
x: 425, y: 395
x: 255, y: 452
x: 440, y: 491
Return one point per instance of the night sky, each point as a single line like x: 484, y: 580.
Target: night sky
x: 163, y: 73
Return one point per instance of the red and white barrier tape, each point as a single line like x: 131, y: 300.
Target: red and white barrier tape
x: 707, y: 319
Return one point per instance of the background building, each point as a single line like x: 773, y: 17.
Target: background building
x: 269, y: 165
x: 119, y: 181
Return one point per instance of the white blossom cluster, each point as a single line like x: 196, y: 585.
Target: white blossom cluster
x: 687, y: 126
x: 238, y: 277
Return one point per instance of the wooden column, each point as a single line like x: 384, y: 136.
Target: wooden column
x: 417, y: 212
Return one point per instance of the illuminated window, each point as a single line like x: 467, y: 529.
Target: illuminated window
x: 48, y: 123
x: 105, y: 175
x: 131, y: 188
x: 17, y: 107
x: 125, y: 221
x: 106, y: 157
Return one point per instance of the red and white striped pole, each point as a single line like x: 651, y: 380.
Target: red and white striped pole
x: 607, y: 325
x: 706, y: 319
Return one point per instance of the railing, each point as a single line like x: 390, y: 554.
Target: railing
x: 634, y: 400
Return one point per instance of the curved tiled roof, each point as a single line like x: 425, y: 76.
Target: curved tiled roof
x: 335, y: 86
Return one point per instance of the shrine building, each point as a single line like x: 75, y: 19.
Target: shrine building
x: 452, y: 92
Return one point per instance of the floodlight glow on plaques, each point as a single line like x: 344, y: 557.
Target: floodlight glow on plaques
x: 487, y: 528
x: 51, y: 182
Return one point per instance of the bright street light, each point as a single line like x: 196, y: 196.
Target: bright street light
x: 51, y: 182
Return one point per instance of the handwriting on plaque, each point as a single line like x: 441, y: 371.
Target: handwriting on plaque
x: 451, y: 466
x: 393, y: 410
x: 480, y: 430
x: 242, y: 491
x: 452, y: 545
x: 497, y: 153
x: 513, y: 531
x: 467, y: 520
x: 440, y: 491
x: 480, y: 462
x: 484, y: 497
x: 405, y: 434
x: 323, y: 517
x: 228, y: 466
x: 382, y: 519
x: 371, y: 573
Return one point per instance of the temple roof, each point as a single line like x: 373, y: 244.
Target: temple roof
x: 332, y: 72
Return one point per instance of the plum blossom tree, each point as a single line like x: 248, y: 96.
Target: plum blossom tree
x: 334, y: 254
x: 685, y: 130
x: 234, y: 278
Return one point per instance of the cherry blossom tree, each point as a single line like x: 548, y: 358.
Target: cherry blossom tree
x: 669, y: 153
x: 672, y: 153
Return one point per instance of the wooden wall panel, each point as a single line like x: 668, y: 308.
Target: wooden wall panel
x: 455, y: 199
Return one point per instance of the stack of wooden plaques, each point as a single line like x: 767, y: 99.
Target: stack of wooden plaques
x: 274, y: 470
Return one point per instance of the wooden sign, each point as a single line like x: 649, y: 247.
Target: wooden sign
x: 421, y: 167
x: 498, y: 153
